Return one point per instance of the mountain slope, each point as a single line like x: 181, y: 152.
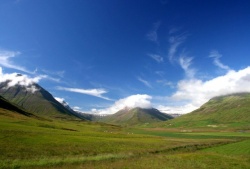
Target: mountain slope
x: 136, y: 116
x: 6, y: 108
x: 224, y: 111
x: 37, y: 101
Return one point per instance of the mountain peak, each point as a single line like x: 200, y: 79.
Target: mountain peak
x: 35, y: 99
x: 21, y: 81
x: 19, y: 74
x: 136, y: 116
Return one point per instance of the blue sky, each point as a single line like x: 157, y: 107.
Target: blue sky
x: 102, y: 55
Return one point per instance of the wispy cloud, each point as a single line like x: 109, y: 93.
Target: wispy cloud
x: 216, y: 56
x: 173, y: 30
x: 175, y: 42
x: 166, y: 83
x: 160, y: 73
x: 146, y: 83
x: 5, y: 61
x: 152, y: 35
x: 55, y: 73
x: 185, y: 63
x: 156, y: 57
x: 92, y: 92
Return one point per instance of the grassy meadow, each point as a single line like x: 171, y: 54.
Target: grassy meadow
x: 34, y: 143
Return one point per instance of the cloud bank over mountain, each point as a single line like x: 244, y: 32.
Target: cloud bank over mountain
x: 194, y: 92
x: 14, y: 79
x: 138, y: 100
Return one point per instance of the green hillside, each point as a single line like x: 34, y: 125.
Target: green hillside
x: 220, y: 112
x: 136, y: 116
x: 8, y: 109
x: 40, y: 103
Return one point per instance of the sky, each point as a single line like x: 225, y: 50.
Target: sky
x: 101, y: 56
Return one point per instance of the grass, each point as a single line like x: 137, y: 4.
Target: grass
x: 32, y: 143
x: 58, y: 161
x: 240, y: 149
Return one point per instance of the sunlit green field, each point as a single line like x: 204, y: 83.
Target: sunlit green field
x: 31, y: 143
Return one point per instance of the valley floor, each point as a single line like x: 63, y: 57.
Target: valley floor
x: 32, y: 143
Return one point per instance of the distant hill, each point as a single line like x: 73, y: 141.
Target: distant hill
x: 39, y: 101
x: 224, y: 111
x: 136, y: 116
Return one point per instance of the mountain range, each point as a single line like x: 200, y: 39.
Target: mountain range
x: 223, y: 111
x: 39, y: 102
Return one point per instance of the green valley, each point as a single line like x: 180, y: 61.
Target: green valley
x: 31, y: 143
x: 36, y: 131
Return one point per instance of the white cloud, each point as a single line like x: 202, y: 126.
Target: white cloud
x: 216, y: 56
x: 157, y: 58
x: 55, y: 73
x: 66, y: 104
x: 195, y: 92
x: 146, y: 83
x: 152, y: 35
x: 60, y: 100
x: 19, y: 79
x: 138, y: 100
x: 5, y: 61
x: 76, y: 108
x: 175, y: 42
x: 176, y: 109
x: 92, y: 92
x: 185, y: 63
